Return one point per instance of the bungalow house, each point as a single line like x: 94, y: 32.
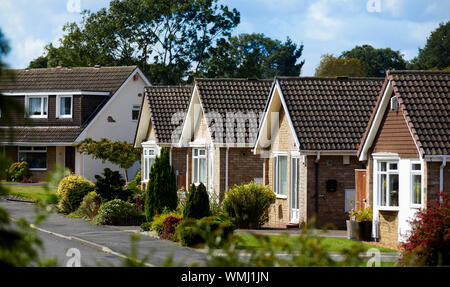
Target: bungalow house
x: 406, y: 147
x: 308, y: 137
x: 64, y: 106
x: 220, y: 130
x: 159, y: 126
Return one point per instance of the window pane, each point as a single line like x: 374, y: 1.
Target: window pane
x: 45, y: 106
x: 34, y: 159
x: 151, y: 152
x: 202, y: 152
x: 282, y: 175
x: 416, y: 166
x: 393, y: 189
x: 392, y: 166
x: 195, y: 152
x: 417, y: 188
x: 202, y: 170
x: 151, y: 161
x: 383, y: 190
x: 294, y: 191
x: 134, y: 115
x: 195, y: 169
x: 382, y: 166
x: 34, y: 106
x: 65, y: 106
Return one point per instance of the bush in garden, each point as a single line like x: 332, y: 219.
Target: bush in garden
x: 90, y: 205
x: 169, y: 226
x: 213, y: 230
x: 158, y: 221
x: 248, y: 204
x: 18, y: 171
x: 146, y: 226
x: 429, y: 241
x: 71, y: 191
x: 110, y: 212
x: 111, y: 186
x: 197, y: 203
x: 161, y: 190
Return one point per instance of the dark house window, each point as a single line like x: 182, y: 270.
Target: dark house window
x: 36, y: 157
x: 135, y: 113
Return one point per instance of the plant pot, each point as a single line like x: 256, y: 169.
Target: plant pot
x: 365, y: 230
x: 352, y: 230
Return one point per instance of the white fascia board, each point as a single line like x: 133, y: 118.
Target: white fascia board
x: 57, y: 93
x: 266, y: 112
x: 188, y: 117
x: 329, y: 152
x: 105, y: 107
x: 291, y: 124
x: 140, y: 124
x: 376, y: 121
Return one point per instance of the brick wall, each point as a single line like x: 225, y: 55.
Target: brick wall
x: 433, y: 178
x: 388, y: 225
x: 243, y: 166
x: 179, y: 163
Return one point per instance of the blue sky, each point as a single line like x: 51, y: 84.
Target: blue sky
x: 323, y: 26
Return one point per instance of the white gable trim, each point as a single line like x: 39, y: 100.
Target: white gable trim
x: 266, y: 112
x: 375, y: 125
x: 136, y: 71
x: 188, y: 118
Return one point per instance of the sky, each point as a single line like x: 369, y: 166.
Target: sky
x: 323, y: 26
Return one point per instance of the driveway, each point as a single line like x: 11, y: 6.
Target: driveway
x: 62, y: 233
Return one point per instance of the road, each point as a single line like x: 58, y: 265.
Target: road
x: 98, y: 244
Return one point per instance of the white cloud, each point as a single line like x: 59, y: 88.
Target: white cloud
x: 395, y: 7
x: 319, y: 25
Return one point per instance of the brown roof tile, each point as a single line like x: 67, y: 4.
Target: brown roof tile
x: 40, y: 135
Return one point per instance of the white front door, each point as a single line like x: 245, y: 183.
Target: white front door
x: 350, y: 195
x: 294, y: 190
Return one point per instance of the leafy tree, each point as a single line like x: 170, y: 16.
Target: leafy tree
x: 120, y: 153
x: 167, y: 39
x: 39, y: 62
x: 377, y: 61
x: 111, y: 186
x: 331, y: 66
x: 253, y: 56
x: 197, y: 203
x: 161, y: 193
x: 436, y: 53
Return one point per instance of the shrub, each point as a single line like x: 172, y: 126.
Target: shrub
x: 169, y: 226
x: 18, y: 171
x: 90, y: 205
x: 197, y: 203
x: 161, y: 190
x: 248, y: 204
x: 158, y: 221
x: 363, y: 215
x: 213, y: 230
x: 429, y: 241
x: 111, y: 186
x: 71, y: 191
x: 114, y: 210
x: 146, y: 226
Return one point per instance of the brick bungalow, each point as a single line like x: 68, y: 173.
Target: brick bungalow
x: 63, y: 106
x: 309, y: 138
x: 220, y: 131
x: 406, y: 147
x: 163, y: 112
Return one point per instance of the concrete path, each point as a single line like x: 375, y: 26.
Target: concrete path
x: 103, y: 238
x: 293, y: 231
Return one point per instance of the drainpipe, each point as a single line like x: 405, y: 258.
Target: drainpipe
x: 170, y: 156
x: 441, y: 179
x: 226, y: 170
x: 316, y: 197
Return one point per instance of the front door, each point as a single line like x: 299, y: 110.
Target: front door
x: 294, y: 190
x: 70, y: 158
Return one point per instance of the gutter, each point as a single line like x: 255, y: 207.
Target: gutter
x: 226, y: 169
x: 316, y: 188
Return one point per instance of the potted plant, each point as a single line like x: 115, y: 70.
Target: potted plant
x: 359, y: 227
x: 352, y: 226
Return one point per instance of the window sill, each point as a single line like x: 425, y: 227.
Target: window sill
x: 65, y: 117
x: 281, y: 196
x: 388, y: 208
x: 416, y: 206
x: 38, y: 169
x: 38, y: 117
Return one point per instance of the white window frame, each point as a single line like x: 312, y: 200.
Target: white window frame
x: 33, y: 150
x: 387, y: 172
x: 412, y: 173
x: 198, y: 157
x: 276, y: 157
x: 58, y: 107
x: 135, y: 108
x: 149, y: 153
x: 27, y: 107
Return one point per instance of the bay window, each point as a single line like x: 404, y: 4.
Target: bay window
x: 416, y: 183
x: 149, y: 159
x: 388, y: 185
x: 37, y: 106
x: 280, y: 175
x: 64, y: 106
x: 199, y: 165
x: 36, y: 157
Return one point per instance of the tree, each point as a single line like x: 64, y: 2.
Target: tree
x: 253, y: 56
x: 377, y: 61
x: 120, y: 153
x: 167, y: 39
x: 161, y: 190
x: 436, y: 53
x: 39, y: 62
x: 197, y: 203
x: 331, y: 66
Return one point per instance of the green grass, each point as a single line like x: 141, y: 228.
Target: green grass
x: 332, y: 244
x: 32, y: 192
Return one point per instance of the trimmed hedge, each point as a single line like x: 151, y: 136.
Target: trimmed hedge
x: 71, y: 191
x: 112, y: 211
x: 197, y: 203
x: 90, y: 205
x: 18, y: 171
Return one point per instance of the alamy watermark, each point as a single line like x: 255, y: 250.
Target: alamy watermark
x: 74, y: 255
x: 373, y: 6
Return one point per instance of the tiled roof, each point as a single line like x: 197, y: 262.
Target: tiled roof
x: 329, y: 113
x: 105, y: 79
x: 244, y: 96
x: 425, y: 97
x: 40, y: 135
x: 168, y: 105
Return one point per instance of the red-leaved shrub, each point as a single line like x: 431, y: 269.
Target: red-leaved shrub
x: 429, y: 242
x: 169, y: 225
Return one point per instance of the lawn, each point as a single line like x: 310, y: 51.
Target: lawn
x: 33, y: 192
x: 333, y: 244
